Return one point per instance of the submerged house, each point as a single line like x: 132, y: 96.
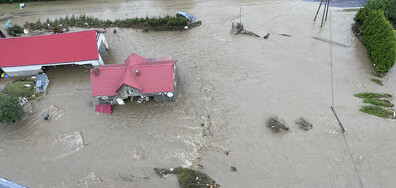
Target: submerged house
x: 24, y: 56
x: 137, y: 78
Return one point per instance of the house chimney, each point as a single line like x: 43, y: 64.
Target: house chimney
x: 137, y: 72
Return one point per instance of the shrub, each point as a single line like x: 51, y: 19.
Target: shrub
x: 15, y: 30
x: 377, y: 111
x: 10, y: 109
x: 304, y: 124
x: 378, y: 102
x: 277, y: 125
x: 369, y: 95
x: 379, y: 82
x: 388, y: 6
x: 380, y: 40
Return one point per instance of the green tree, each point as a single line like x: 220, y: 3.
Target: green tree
x: 380, y: 40
x: 10, y: 109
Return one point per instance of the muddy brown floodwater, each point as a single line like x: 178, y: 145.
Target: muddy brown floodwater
x: 229, y: 83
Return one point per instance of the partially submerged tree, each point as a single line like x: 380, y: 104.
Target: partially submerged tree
x: 10, y: 109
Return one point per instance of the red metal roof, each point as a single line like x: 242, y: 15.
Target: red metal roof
x: 48, y: 49
x: 154, y: 77
x: 103, y: 108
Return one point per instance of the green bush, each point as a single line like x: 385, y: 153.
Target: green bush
x: 15, y: 30
x: 380, y: 40
x: 20, y: 1
x: 377, y: 111
x: 369, y: 95
x: 388, y: 6
x: 10, y: 109
x: 378, y: 102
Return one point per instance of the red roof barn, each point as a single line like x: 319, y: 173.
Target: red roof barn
x: 27, y: 55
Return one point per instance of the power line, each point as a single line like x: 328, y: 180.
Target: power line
x: 332, y: 106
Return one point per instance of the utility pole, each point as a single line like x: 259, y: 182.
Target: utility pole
x: 325, y: 11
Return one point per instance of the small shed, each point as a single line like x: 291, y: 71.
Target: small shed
x: 42, y: 82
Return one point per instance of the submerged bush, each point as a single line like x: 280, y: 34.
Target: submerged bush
x: 377, y: 111
x: 379, y: 82
x: 304, y: 124
x: 277, y: 125
x: 372, y: 95
x: 188, y: 178
x: 378, y: 102
x: 88, y: 21
x: 20, y: 1
x: 380, y: 40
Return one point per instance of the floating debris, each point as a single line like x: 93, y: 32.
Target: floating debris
x: 286, y: 35
x: 266, y: 36
x: 304, y: 124
x: 187, y: 177
x: 327, y: 40
x: 246, y: 32
x: 277, y: 125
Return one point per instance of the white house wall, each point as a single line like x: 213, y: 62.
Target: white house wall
x: 34, y: 69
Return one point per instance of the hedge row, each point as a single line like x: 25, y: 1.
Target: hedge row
x: 388, y: 6
x: 380, y: 40
x: 20, y: 1
x: 87, y: 21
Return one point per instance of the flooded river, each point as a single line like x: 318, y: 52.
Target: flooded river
x: 229, y: 85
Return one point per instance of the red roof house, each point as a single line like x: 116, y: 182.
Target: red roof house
x: 27, y: 55
x: 137, y: 76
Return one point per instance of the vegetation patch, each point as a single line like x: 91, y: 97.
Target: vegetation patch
x: 277, y: 125
x: 20, y: 1
x: 377, y: 111
x: 15, y: 30
x: 188, y: 178
x: 83, y: 21
x: 20, y: 89
x: 379, y: 82
x: 304, y: 124
x: 387, y: 6
x: 372, y: 95
x: 377, y: 17
x: 378, y: 102
x: 351, y: 9
x: 10, y: 109
x: 380, y: 40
